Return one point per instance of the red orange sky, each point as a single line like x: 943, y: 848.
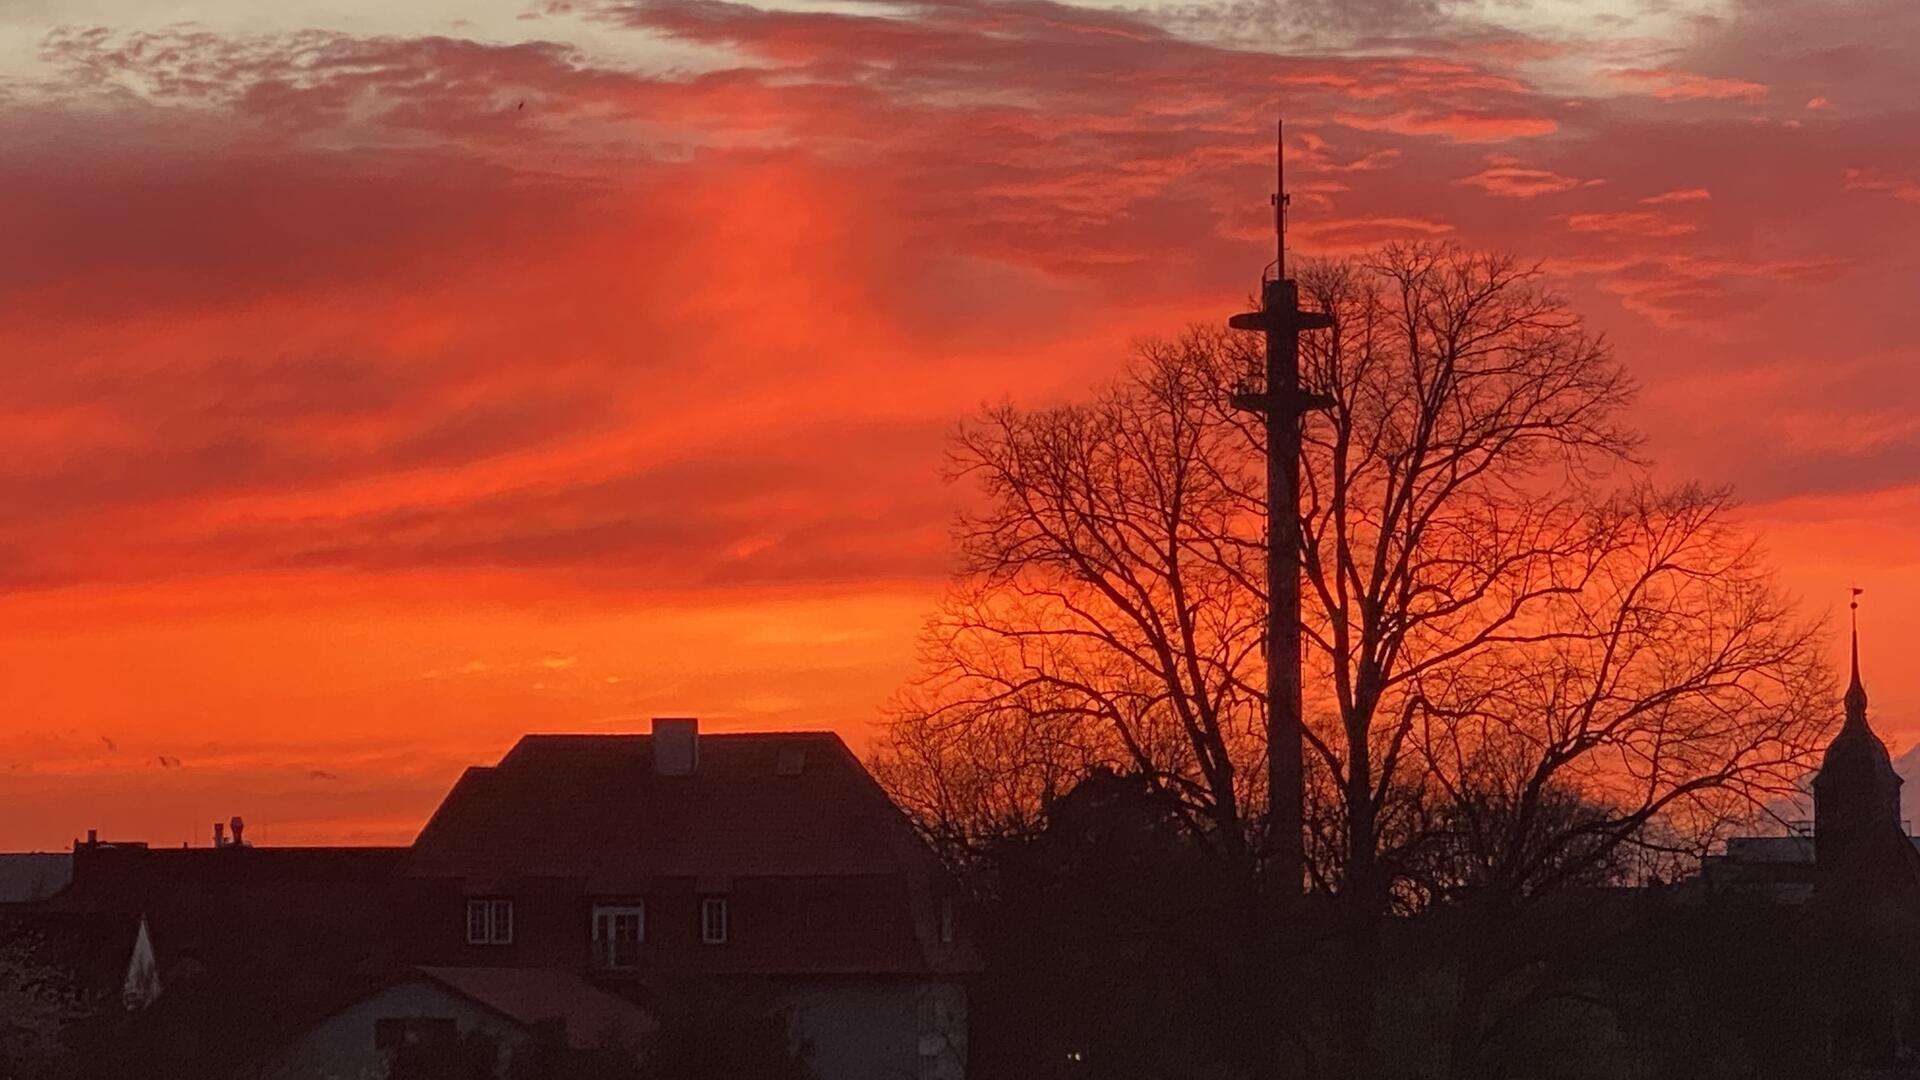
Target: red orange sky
x: 380, y: 381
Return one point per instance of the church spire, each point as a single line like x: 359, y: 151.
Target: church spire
x: 1856, y: 699
x: 1856, y: 793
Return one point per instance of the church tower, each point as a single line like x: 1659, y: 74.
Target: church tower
x: 1856, y: 794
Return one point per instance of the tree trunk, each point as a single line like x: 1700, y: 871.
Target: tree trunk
x: 1361, y: 921
x: 1463, y: 1054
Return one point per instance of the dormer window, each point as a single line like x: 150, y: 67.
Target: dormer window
x: 489, y: 921
x: 618, y: 930
x: 713, y: 920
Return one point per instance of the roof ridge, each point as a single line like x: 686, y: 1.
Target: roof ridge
x: 824, y: 733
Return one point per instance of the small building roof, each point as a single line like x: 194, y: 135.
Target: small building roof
x: 31, y: 876
x: 530, y: 996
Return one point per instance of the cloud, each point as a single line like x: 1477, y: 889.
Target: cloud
x: 1671, y: 85
x: 327, y: 328
x: 1516, y: 181
x: 1702, y: 293
x: 1629, y: 223
x: 1460, y: 125
x: 1899, y: 187
x: 1678, y: 195
x: 1335, y: 236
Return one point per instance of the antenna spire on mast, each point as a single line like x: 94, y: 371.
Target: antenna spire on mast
x: 1280, y: 199
x: 1279, y: 195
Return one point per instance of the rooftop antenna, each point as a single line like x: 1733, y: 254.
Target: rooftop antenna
x: 1280, y: 199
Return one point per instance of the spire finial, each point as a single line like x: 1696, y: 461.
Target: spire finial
x: 1856, y: 699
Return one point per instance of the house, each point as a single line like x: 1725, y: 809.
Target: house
x: 71, y: 983
x: 433, y: 1009
x: 250, y: 944
x: 769, y: 860
x: 90, y: 959
x: 581, y: 878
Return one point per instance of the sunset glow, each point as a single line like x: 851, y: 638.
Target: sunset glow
x: 379, y: 382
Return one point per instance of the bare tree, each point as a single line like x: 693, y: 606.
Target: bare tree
x: 1101, y: 614
x: 1474, y: 507
x: 1626, y: 723
x: 1101, y: 618
x: 1500, y: 610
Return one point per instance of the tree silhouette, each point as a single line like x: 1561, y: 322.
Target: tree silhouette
x: 38, y: 1004
x: 1504, y: 618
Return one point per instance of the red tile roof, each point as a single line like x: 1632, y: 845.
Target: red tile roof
x: 528, y: 996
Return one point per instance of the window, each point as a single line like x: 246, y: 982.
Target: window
x: 490, y: 922
x: 618, y: 930
x: 946, y: 920
x: 394, y: 1032
x: 713, y: 920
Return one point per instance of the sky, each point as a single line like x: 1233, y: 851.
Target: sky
x: 381, y: 381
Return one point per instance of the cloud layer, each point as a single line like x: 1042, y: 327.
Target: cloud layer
x: 679, y: 298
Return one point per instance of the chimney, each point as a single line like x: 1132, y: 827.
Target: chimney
x: 93, y: 837
x: 676, y: 745
x: 219, y: 835
x: 238, y: 827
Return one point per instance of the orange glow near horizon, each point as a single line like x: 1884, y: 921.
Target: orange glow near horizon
x: 372, y: 394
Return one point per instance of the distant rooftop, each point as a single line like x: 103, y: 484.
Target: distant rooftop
x: 33, y: 876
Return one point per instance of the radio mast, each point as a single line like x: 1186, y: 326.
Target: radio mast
x: 1281, y: 401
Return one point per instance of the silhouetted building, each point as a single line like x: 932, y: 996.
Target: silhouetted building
x: 1770, y: 869
x: 1844, y: 892
x: 430, y: 1010
x: 31, y: 876
x: 1856, y: 857
x: 582, y: 878
x: 1865, y: 863
x: 97, y: 960
x: 1866, y: 897
x: 770, y: 859
x: 250, y: 944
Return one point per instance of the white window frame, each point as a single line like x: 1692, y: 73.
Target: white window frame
x: 604, y: 932
x: 489, y: 920
x: 716, y: 921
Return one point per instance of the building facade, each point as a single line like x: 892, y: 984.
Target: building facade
x: 768, y: 861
